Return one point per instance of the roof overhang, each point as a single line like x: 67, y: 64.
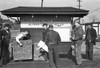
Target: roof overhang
x: 89, y: 23
x: 18, y: 11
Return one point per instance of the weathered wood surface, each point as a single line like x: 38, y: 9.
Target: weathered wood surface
x: 22, y: 53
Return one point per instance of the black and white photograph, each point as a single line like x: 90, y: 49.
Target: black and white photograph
x: 49, y: 34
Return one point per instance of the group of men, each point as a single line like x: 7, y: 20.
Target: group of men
x: 77, y: 39
x: 52, y: 40
x: 4, y: 44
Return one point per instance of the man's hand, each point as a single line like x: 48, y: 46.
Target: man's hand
x: 41, y: 49
x: 89, y: 40
x: 72, y: 38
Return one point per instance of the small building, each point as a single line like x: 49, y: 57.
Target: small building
x: 32, y: 18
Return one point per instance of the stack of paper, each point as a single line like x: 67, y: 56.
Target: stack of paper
x: 42, y: 45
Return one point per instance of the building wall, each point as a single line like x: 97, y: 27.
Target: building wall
x: 34, y: 24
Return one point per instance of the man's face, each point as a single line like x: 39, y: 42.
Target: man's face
x: 50, y: 28
x: 77, y: 24
x: 6, y: 28
x: 89, y: 26
x: 45, y: 27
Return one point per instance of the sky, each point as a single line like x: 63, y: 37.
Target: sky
x: 92, y: 5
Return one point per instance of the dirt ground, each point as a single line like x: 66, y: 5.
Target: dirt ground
x: 66, y: 63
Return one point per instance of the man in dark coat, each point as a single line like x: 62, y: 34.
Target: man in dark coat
x: 43, y: 52
x: 0, y: 43
x: 46, y: 29
x: 90, y: 38
x: 6, y: 35
x: 52, y: 40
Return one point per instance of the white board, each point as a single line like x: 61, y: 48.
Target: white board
x: 64, y: 33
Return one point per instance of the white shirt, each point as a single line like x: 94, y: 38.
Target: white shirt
x: 20, y: 36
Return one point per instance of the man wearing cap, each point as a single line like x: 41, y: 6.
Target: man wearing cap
x: 6, y: 35
x: 90, y: 38
x: 77, y: 38
x: 43, y: 52
x: 46, y: 29
x: 52, y: 40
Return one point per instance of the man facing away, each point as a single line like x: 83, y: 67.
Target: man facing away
x: 90, y: 38
x: 52, y: 40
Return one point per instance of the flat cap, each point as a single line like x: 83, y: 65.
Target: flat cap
x: 50, y: 26
x: 45, y: 24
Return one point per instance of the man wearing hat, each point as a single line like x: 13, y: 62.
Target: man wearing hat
x: 43, y: 52
x: 90, y: 38
x: 52, y: 40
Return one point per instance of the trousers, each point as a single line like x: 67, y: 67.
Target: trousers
x: 4, y: 53
x: 89, y: 50
x: 53, y: 55
x: 78, y: 52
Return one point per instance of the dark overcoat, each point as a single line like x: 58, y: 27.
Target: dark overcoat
x: 93, y: 35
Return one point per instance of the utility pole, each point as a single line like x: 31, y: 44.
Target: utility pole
x: 79, y: 3
x: 41, y: 3
x: 79, y: 6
